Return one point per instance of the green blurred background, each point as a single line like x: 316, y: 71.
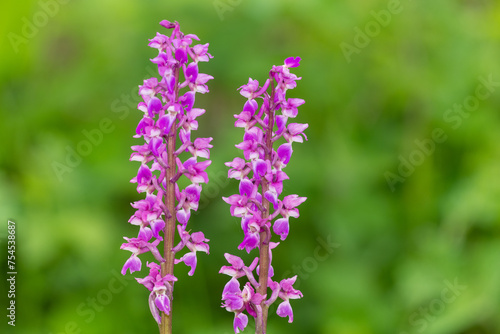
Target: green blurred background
x: 395, y: 249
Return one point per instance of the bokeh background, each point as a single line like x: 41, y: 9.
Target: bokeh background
x: 417, y: 254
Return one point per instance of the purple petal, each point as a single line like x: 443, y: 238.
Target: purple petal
x: 203, y: 78
x: 167, y: 24
x: 133, y: 264
x: 161, y: 59
x: 129, y: 246
x: 202, y: 247
x: 143, y: 125
x: 191, y: 36
x: 237, y: 163
x: 240, y: 322
x: 271, y: 271
x: 155, y: 145
x: 187, y: 100
x: 281, y: 176
x: 185, y: 136
x: 285, y: 310
x: 198, y: 237
x: 201, y: 143
x: 246, y: 188
x: 281, y: 227
x: 189, y: 162
x: 152, y: 307
x: 228, y: 271
x: 292, y: 62
x: 163, y: 303
x: 201, y: 52
x: 292, y: 201
x: 289, y: 108
x: 285, y: 152
x: 232, y: 200
x: 281, y: 123
x: 231, y: 287
x: 272, y: 197
x: 259, y: 167
x: 156, y: 227
x: 154, y: 106
x: 233, y: 302
x: 250, y: 242
x: 296, y: 128
x: 287, y: 283
x: 189, y: 259
x: 145, y: 234
x: 251, y: 106
x: 193, y: 192
x: 171, y: 84
x: 295, y: 103
x: 185, y: 236
x: 144, y: 174
x: 243, y: 119
x: 181, y: 55
x: 202, y: 165
x: 249, y: 88
x: 168, y: 277
x: 147, y: 282
x: 201, y: 177
x: 183, y: 216
x: 234, y: 260
x: 165, y: 123
x: 257, y: 298
x: 153, y: 266
x: 192, y: 72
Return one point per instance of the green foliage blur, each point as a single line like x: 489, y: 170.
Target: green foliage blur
x: 400, y: 232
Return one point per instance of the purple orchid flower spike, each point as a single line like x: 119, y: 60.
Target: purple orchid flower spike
x: 167, y: 113
x: 267, y: 149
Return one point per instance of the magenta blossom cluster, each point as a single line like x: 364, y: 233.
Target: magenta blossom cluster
x: 265, y: 119
x: 168, y: 113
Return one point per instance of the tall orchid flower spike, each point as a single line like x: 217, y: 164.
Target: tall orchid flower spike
x: 168, y: 112
x: 267, y: 150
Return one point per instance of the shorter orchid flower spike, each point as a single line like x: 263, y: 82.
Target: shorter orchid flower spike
x: 267, y: 147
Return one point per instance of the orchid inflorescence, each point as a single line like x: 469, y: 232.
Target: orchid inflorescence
x: 258, y: 202
x: 168, y: 112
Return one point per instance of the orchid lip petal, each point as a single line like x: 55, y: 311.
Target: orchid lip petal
x: 285, y: 310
